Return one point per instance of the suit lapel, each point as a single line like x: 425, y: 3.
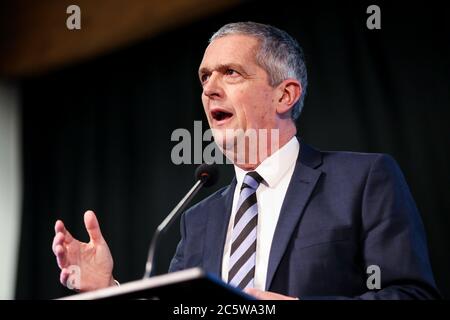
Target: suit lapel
x: 300, y: 188
x: 217, y: 224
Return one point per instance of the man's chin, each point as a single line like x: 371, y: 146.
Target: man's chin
x: 224, y: 138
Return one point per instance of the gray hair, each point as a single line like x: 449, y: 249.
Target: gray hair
x: 279, y: 55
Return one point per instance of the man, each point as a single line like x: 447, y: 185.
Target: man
x: 296, y: 222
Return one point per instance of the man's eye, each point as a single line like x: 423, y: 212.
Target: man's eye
x: 204, y: 78
x: 231, y: 72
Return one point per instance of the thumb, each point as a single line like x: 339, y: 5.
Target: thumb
x: 92, y: 226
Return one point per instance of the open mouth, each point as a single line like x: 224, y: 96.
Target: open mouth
x: 221, y: 115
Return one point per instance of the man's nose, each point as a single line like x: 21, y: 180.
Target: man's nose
x: 213, y: 88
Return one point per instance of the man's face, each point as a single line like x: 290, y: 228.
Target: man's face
x: 236, y: 91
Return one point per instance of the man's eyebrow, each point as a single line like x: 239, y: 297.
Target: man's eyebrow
x: 203, y: 70
x: 222, y: 67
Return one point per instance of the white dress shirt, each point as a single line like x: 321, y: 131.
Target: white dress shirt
x: 277, y: 172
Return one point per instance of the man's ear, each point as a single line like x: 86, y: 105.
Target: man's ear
x: 290, y: 91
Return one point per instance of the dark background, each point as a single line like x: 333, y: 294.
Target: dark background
x: 96, y: 135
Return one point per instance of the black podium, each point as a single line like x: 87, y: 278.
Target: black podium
x: 192, y: 285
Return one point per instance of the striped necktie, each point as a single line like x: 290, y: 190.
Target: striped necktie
x: 243, y: 242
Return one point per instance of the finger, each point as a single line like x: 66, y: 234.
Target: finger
x: 251, y: 291
x: 59, y: 227
x: 73, y: 281
x: 258, y: 294
x: 267, y: 295
x: 92, y: 226
x: 64, y: 276
x: 57, y: 240
x: 61, y: 256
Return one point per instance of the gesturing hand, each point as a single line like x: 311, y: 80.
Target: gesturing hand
x: 84, y: 266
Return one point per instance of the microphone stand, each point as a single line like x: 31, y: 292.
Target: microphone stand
x: 168, y: 221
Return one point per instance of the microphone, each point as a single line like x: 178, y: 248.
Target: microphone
x: 206, y: 175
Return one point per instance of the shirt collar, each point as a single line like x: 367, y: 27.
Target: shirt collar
x: 274, y: 168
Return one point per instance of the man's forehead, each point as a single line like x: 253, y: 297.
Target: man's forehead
x: 229, y: 50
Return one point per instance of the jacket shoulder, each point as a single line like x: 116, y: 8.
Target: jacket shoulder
x: 199, y: 208
x: 357, y: 159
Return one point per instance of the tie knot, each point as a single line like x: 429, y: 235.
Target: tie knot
x: 251, y: 180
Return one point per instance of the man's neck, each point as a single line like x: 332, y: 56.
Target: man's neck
x: 284, y: 138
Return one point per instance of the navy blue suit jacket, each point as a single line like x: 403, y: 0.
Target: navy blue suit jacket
x: 342, y: 212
